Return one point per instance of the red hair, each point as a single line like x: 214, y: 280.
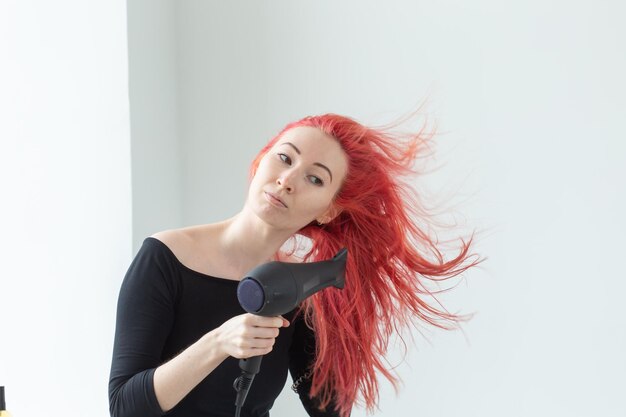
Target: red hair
x: 389, y: 256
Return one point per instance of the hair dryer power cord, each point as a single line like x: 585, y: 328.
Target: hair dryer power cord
x: 242, y: 386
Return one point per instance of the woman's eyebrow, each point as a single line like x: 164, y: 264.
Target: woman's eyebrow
x: 315, y: 163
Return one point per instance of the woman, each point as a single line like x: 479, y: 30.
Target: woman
x: 180, y: 330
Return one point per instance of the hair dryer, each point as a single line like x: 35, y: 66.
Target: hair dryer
x: 276, y: 288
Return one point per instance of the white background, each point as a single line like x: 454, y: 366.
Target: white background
x: 65, y: 201
x: 529, y: 100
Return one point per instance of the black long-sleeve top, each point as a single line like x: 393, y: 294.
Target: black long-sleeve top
x: 163, y: 308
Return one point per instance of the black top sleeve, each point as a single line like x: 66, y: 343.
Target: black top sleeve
x: 144, y: 319
x: 301, y: 357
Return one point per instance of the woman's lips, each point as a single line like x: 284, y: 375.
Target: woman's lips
x: 275, y: 200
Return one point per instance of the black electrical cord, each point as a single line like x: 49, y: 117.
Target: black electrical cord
x: 242, y: 386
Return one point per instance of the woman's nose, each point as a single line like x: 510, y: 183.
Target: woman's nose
x: 285, y: 181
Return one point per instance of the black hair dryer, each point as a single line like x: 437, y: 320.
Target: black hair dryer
x: 276, y: 288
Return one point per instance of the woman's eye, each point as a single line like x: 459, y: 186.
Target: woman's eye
x: 286, y: 159
x: 315, y: 180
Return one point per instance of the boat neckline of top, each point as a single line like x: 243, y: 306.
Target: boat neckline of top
x: 178, y: 261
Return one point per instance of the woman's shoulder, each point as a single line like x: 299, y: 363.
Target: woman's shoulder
x: 186, y: 244
x: 175, y: 239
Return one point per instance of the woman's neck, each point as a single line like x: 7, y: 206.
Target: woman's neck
x: 246, y: 241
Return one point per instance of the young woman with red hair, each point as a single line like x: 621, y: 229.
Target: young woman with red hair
x: 334, y: 183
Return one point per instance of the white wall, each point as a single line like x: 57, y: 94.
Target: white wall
x: 224, y: 101
x: 530, y: 101
x: 156, y: 146
x: 65, y: 201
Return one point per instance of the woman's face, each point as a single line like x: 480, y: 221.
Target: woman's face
x: 297, y: 179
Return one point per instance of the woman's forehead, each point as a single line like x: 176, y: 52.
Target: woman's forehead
x: 308, y: 138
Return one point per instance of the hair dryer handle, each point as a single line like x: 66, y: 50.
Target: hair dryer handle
x: 251, y: 365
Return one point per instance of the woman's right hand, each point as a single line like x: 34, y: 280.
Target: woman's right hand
x: 249, y: 335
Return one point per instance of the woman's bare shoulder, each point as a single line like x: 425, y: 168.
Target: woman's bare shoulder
x: 182, y: 241
x: 172, y: 237
x: 188, y: 245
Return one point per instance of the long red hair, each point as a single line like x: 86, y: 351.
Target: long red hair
x: 389, y: 257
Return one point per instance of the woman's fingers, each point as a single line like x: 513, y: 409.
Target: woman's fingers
x: 261, y: 321
x: 250, y: 335
x: 269, y: 327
